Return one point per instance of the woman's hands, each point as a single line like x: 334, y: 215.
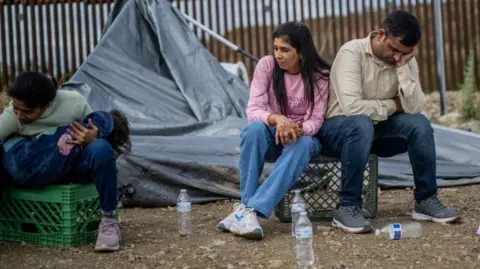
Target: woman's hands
x: 286, y: 129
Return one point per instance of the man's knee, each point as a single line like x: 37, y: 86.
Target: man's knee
x: 420, y: 124
x: 100, y: 150
x: 360, y: 126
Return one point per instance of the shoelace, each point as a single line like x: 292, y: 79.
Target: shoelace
x: 238, y: 206
x: 352, y: 212
x: 108, y: 227
x: 246, y: 210
x: 435, y: 203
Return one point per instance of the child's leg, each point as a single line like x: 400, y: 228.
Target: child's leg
x: 98, y: 161
x: 36, y: 163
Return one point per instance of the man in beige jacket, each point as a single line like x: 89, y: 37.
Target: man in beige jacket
x: 374, y: 106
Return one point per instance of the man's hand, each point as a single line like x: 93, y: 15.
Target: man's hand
x: 407, y: 57
x: 82, y: 135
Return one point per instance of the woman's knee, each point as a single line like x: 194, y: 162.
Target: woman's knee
x: 255, y: 129
x: 306, y: 144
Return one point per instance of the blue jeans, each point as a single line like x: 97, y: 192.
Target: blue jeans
x: 353, y: 138
x: 97, y: 162
x: 257, y: 146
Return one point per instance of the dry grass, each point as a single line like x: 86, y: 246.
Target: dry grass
x: 3, y: 100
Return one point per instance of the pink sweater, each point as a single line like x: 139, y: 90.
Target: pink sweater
x: 261, y: 104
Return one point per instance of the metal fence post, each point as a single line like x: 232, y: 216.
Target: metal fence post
x: 437, y: 5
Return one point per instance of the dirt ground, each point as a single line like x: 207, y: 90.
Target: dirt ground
x: 151, y: 241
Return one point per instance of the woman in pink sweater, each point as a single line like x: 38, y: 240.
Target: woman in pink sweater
x: 288, y: 98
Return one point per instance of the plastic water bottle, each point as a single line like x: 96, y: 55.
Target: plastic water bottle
x: 395, y: 231
x: 184, y: 208
x: 297, y: 205
x: 304, y: 238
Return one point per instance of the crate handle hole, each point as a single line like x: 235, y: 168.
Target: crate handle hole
x: 92, y: 226
x: 29, y: 228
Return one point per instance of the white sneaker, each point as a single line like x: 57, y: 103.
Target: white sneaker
x: 224, y: 225
x: 246, y: 224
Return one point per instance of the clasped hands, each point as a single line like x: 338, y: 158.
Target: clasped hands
x: 286, y: 130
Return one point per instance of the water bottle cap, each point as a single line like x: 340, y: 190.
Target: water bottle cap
x: 183, y: 191
x: 296, y: 191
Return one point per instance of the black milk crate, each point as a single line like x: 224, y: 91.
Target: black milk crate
x: 320, y: 186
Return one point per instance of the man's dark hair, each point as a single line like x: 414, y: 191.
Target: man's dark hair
x: 34, y: 89
x: 402, y: 24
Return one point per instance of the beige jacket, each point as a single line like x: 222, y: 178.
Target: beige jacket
x: 363, y: 84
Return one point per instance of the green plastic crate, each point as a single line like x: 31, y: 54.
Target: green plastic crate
x: 56, y: 215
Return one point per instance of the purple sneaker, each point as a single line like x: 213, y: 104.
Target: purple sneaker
x: 109, y: 236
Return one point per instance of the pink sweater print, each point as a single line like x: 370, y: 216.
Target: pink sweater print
x: 262, y: 103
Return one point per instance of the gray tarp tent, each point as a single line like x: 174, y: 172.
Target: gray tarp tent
x: 187, y: 112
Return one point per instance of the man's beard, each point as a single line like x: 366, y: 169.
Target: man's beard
x: 389, y: 60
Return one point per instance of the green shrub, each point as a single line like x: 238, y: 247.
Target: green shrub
x: 470, y: 108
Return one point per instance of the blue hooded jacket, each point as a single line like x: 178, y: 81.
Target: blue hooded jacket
x: 41, y: 161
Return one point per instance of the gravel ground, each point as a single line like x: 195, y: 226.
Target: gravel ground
x: 151, y: 241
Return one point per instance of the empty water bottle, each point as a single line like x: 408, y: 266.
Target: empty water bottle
x: 297, y: 205
x: 304, y: 238
x: 184, y: 208
x: 395, y: 231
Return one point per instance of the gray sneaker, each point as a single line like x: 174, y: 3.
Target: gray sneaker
x: 432, y: 209
x: 109, y: 236
x: 351, y: 219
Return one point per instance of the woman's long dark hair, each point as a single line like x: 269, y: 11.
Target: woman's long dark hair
x: 312, y: 66
x: 120, y: 136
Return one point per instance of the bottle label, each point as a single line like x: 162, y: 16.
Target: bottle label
x: 184, y: 207
x: 304, y: 232
x: 297, y: 207
x: 397, y: 231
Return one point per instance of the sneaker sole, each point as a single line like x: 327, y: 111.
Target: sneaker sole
x: 223, y: 227
x: 420, y: 216
x: 359, y: 230
x: 256, y: 234
x: 105, y: 248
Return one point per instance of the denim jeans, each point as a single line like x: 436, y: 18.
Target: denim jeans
x: 97, y: 162
x: 353, y: 138
x: 257, y: 146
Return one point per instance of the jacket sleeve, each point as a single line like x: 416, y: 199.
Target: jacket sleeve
x: 411, y: 94
x: 314, y: 123
x: 257, y: 108
x: 8, y: 123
